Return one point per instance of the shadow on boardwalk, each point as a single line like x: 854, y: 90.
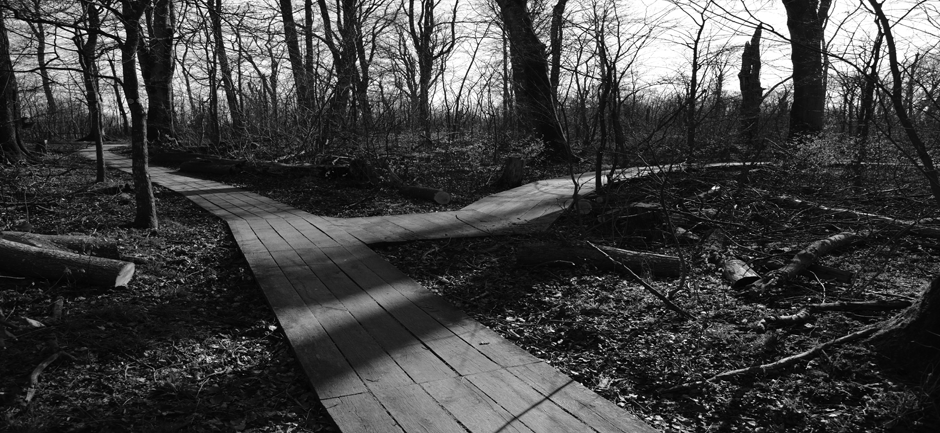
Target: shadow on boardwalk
x: 383, y: 353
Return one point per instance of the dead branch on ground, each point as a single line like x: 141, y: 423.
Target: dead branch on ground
x: 669, y: 304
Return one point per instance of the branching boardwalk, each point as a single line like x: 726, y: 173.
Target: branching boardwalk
x: 383, y: 353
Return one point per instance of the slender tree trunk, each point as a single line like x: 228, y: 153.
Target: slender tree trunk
x: 897, y: 100
x: 751, y: 90
x: 533, y: 90
x: 806, y: 19
x: 234, y: 107
x: 39, y: 31
x: 146, y: 216
x: 89, y: 64
x: 118, y: 101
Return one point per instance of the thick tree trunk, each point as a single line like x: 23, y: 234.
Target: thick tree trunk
x: 146, y: 210
x: 912, y: 339
x: 806, y: 20
x: 55, y: 265
x: 12, y: 148
x: 533, y: 90
x: 558, y: 21
x: 293, y: 54
x: 157, y: 66
x: 751, y: 91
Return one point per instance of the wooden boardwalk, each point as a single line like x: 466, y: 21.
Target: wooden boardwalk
x: 383, y: 353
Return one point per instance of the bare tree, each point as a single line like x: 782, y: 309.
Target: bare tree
x: 157, y: 63
x: 10, y: 142
x: 88, y: 59
x: 228, y: 85
x: 751, y: 90
x: 806, y: 20
x: 532, y: 88
x: 38, y: 29
x: 146, y: 210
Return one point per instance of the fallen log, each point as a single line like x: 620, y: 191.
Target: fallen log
x: 79, y: 244
x: 424, y: 193
x: 802, y: 260
x: 878, y: 305
x: 912, y: 226
x: 815, y: 270
x: 738, y: 273
x: 637, y: 261
x: 665, y: 299
x: 735, y: 270
x: 53, y: 264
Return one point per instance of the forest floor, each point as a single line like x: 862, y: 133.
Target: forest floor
x: 190, y: 344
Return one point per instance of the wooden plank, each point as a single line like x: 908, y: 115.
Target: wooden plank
x: 416, y: 411
x: 366, y: 356
x: 379, y: 320
x: 522, y: 401
x: 444, y: 312
x: 291, y: 235
x: 591, y: 408
x: 311, y: 232
x: 497, y: 348
x: 474, y: 409
x: 360, y: 413
x: 441, y: 225
x: 268, y: 236
x: 324, y: 364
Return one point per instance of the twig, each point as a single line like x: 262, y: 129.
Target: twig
x: 34, y: 376
x: 671, y: 305
x: 780, y: 363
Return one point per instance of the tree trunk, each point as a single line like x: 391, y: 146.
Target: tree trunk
x: 55, y: 265
x: 293, y: 54
x: 39, y: 31
x: 118, y: 100
x: 533, y: 90
x: 806, y: 19
x: 920, y: 147
x: 146, y: 213
x: 912, y: 339
x: 89, y: 63
x: 751, y: 90
x: 558, y: 21
x: 12, y: 148
x: 234, y: 108
x: 157, y: 63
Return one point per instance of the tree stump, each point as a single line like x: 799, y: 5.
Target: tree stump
x: 513, y: 172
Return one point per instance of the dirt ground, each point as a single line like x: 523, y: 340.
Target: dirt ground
x: 190, y: 345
